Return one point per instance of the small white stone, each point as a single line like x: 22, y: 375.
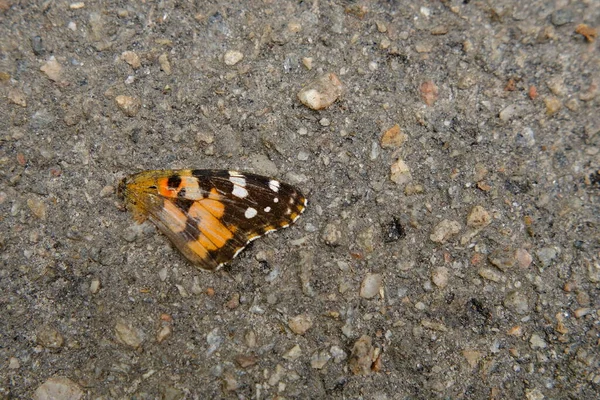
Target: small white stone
x: 370, y: 286
x: 233, y: 57
x: 250, y: 213
x: 95, y: 286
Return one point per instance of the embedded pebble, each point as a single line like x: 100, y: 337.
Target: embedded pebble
x: 129, y: 105
x: 429, y: 92
x: 400, y: 173
x: 331, y: 234
x: 561, y: 17
x: 472, y: 357
x: 319, y: 359
x: 490, y: 275
x: 131, y: 58
x: 393, y: 138
x: 508, y: 112
x: 49, y: 337
x: 478, y: 218
x: 95, y: 286
x: 58, y: 387
x: 164, y: 332
x: 214, y: 340
x: 361, y: 357
x: 503, y: 258
x: 230, y: 383
x: 516, y: 302
x: 338, y: 354
x: 370, y: 286
x: 553, y: 105
x: 444, y: 231
x: 37, y: 207
x: 246, y: 361
x: 300, y: 324
x: 321, y: 92
x: 17, y: 96
x: 233, y: 57
x: 128, y: 335
x: 537, y: 342
x: 307, y: 62
x: 439, y: 277
x: 14, y: 363
x: 165, y: 64
x: 52, y: 69
x: 534, y: 394
x: 546, y: 255
x: 293, y: 354
x: 523, y: 257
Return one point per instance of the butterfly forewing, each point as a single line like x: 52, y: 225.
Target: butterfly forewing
x: 211, y: 215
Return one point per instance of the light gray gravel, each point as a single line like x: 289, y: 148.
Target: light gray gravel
x: 459, y: 166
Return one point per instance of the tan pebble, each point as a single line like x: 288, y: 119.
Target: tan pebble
x: 230, y: 383
x: 400, y: 173
x: 561, y: 328
x: 164, y: 332
x: 586, y: 31
x: 58, y: 387
x: 165, y: 64
x: 129, y: 335
x: 381, y: 26
x: 129, y: 105
x: 361, y: 357
x: 293, y: 354
x: 590, y: 93
x: 572, y: 104
x: 49, y: 337
x: 321, y: 92
x: 472, y: 357
x: 582, y: 312
x: 424, y: 47
x: 107, y: 191
x: 37, y: 207
x: 307, y: 62
x: 490, y: 275
x: 516, y: 330
x: 478, y: 218
x: 52, y: 69
x: 429, y: 92
x: 570, y: 286
x: 439, y: 30
x: 17, y: 96
x: 234, y: 302
x: 14, y: 363
x: 523, y: 257
x: 131, y: 58
x: 76, y: 6
x: 294, y: 27
x: 444, y: 230
x: 233, y: 57
x: 412, y: 189
x: 300, y: 324
x: 246, y: 361
x: 553, y: 105
x: 95, y: 286
x: 434, y: 326
x: 439, y: 277
x: 393, y: 138
x: 371, y: 286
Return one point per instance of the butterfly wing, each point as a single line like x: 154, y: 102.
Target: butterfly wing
x: 211, y: 215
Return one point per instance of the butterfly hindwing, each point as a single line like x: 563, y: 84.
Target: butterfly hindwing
x: 211, y: 215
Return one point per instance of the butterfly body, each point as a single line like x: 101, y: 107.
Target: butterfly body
x: 211, y: 215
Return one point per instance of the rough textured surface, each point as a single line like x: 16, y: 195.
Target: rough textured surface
x: 499, y: 104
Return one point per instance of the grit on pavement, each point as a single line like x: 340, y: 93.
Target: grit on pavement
x: 449, y: 151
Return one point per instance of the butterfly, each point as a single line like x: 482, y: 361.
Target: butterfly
x: 211, y: 215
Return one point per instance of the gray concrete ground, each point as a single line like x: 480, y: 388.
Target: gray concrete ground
x: 456, y: 255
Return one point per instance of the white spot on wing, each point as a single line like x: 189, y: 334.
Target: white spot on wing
x: 238, y: 181
x: 274, y: 186
x: 267, y: 209
x: 235, y: 173
x: 275, y: 200
x: 239, y: 191
x: 250, y: 213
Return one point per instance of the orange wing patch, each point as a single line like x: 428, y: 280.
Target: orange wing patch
x: 211, y: 215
